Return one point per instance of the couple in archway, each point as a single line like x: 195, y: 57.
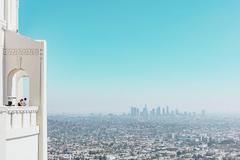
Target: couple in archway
x: 22, y: 102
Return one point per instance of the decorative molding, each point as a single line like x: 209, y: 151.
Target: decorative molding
x: 16, y: 110
x: 41, y: 53
x: 23, y: 51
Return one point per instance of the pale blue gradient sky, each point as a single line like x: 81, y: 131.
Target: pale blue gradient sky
x: 107, y: 55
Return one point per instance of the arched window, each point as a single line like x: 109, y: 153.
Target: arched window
x: 18, y: 85
x: 23, y: 88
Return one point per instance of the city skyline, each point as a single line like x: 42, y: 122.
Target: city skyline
x: 119, y: 80
x: 162, y: 111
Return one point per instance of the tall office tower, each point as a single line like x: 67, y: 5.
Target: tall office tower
x: 145, y: 111
x: 23, y: 132
x: 163, y: 111
x: 158, y: 111
x: 137, y: 111
x: 203, y: 113
x: 132, y: 111
x: 176, y: 111
x: 152, y: 112
x: 167, y: 110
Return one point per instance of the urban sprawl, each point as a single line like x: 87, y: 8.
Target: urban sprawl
x: 158, y: 134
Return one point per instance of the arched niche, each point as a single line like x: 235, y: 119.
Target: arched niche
x: 18, y: 85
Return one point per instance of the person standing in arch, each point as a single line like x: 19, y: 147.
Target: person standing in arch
x: 20, y: 103
x: 24, y: 101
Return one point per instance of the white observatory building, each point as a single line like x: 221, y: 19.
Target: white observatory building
x: 23, y: 128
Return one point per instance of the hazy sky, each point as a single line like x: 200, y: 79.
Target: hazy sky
x: 108, y: 55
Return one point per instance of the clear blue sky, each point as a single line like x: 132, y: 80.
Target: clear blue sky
x: 108, y: 55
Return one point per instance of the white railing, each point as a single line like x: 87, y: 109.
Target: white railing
x: 20, y: 117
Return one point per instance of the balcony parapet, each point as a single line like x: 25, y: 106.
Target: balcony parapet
x: 19, y: 117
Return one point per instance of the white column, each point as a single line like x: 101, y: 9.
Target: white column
x: 26, y: 120
x: 3, y: 136
x: 11, y: 14
x: 16, y: 120
x: 33, y: 119
x: 42, y: 114
x: 1, y: 63
x: 2, y: 10
x: 2, y: 115
x: 8, y: 121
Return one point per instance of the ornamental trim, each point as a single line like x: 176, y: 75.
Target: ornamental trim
x: 23, y: 51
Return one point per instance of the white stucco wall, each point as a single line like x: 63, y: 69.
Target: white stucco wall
x: 19, y: 45
x: 2, y: 10
x: 2, y: 118
x: 11, y: 14
x: 23, y: 149
x: 33, y: 62
x: 3, y: 137
x: 2, y: 26
x: 27, y: 142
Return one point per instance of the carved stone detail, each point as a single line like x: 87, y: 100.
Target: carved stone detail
x: 18, y: 110
x: 23, y: 51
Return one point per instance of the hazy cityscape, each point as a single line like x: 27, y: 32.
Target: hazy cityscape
x: 144, y: 134
x: 120, y: 80
x: 161, y: 111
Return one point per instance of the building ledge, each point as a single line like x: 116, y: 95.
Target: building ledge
x: 22, y: 132
x: 16, y: 109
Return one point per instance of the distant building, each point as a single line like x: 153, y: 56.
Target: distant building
x: 152, y: 113
x: 134, y: 111
x: 203, y: 113
x: 163, y: 111
x: 145, y: 111
x: 158, y: 111
x: 137, y: 111
x: 167, y: 110
x: 176, y: 111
